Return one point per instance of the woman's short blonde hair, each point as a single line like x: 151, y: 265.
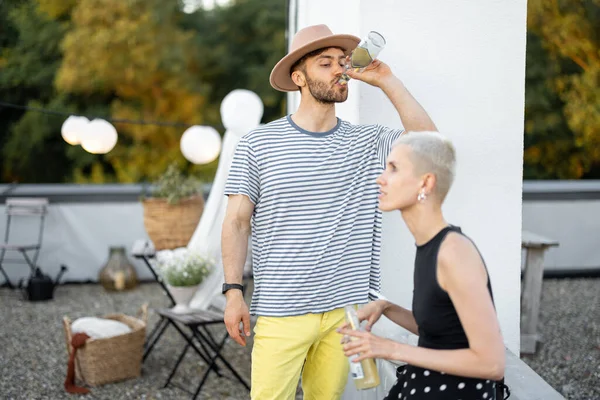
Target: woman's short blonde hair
x: 432, y: 153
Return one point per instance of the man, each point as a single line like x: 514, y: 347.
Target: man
x: 304, y: 186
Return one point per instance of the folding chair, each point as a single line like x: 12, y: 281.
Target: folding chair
x: 17, y: 208
x: 196, y: 323
x: 162, y: 324
x: 210, y: 347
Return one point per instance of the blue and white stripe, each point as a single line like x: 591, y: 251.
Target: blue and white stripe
x: 316, y: 228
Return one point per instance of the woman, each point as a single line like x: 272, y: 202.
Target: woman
x: 461, y: 351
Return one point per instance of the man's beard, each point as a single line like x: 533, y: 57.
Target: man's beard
x: 324, y: 94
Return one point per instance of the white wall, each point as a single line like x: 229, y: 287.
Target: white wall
x: 78, y: 235
x: 465, y: 62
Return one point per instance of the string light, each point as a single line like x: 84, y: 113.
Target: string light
x: 241, y: 111
x: 113, y: 120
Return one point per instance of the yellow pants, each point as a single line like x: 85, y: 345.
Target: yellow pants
x: 286, y: 346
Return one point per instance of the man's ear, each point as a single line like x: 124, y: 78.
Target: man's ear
x: 299, y: 78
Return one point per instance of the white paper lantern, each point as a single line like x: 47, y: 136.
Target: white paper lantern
x: 200, y: 144
x: 241, y: 111
x: 72, y: 129
x: 100, y: 137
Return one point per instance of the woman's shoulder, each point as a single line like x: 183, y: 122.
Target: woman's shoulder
x: 458, y: 255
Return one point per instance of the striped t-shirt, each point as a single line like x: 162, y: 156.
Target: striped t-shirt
x: 316, y: 228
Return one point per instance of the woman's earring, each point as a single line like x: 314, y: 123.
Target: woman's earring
x: 422, y: 196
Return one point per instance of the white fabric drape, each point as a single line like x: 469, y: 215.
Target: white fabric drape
x: 207, y: 237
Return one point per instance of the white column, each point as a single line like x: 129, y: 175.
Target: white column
x: 465, y: 62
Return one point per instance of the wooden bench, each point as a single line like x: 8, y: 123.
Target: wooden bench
x: 535, y: 246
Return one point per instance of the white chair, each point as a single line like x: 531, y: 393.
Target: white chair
x: 17, y: 210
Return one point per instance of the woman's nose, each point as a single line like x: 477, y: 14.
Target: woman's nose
x: 379, y: 180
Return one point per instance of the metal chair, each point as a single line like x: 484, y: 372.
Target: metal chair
x: 19, y: 208
x: 193, y: 328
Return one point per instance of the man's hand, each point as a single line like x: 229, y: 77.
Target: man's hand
x: 236, y: 311
x: 374, y: 74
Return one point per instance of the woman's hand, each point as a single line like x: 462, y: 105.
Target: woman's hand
x: 371, y: 313
x: 367, y: 345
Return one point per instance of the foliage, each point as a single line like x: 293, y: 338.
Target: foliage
x: 173, y: 186
x: 29, y: 59
x: 135, y: 50
x: 238, y: 45
x: 146, y: 59
x: 134, y: 59
x: 183, y: 267
x: 32, y: 148
x: 563, y: 88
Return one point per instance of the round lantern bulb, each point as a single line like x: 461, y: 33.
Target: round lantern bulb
x: 200, y: 144
x: 100, y: 137
x: 241, y: 111
x: 72, y: 129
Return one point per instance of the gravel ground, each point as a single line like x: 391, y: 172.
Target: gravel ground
x: 568, y: 358
x: 33, y: 357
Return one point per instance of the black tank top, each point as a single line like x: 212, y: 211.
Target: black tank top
x: 439, y: 325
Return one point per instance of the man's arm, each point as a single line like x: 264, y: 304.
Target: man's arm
x: 413, y: 115
x: 234, y: 247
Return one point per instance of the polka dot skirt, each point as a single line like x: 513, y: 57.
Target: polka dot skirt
x: 416, y: 383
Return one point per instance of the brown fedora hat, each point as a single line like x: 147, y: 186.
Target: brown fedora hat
x: 306, y: 40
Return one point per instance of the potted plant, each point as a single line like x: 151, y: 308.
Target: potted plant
x: 173, y: 211
x: 183, y: 271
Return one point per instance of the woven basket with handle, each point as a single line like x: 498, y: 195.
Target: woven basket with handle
x: 112, y: 359
x: 170, y: 226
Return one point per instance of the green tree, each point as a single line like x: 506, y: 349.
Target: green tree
x: 135, y: 59
x: 30, y: 56
x: 563, y: 89
x: 32, y: 148
x: 136, y: 51
x: 238, y: 45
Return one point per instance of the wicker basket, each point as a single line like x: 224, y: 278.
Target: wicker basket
x: 170, y: 226
x: 112, y: 359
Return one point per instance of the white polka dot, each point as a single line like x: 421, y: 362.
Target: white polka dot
x: 404, y: 372
x: 405, y: 384
x: 427, y: 389
x: 443, y: 373
x: 479, y: 386
x: 443, y: 387
x: 400, y: 396
x: 426, y: 373
x: 413, y: 391
x: 413, y: 376
x: 487, y: 381
x: 485, y: 395
x: 461, y: 385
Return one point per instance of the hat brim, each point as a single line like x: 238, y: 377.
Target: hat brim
x: 281, y: 76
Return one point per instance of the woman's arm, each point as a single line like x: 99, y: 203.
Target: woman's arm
x: 401, y: 316
x: 462, y: 274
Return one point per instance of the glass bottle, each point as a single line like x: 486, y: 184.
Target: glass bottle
x: 367, y: 50
x: 365, y: 373
x: 118, y: 273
